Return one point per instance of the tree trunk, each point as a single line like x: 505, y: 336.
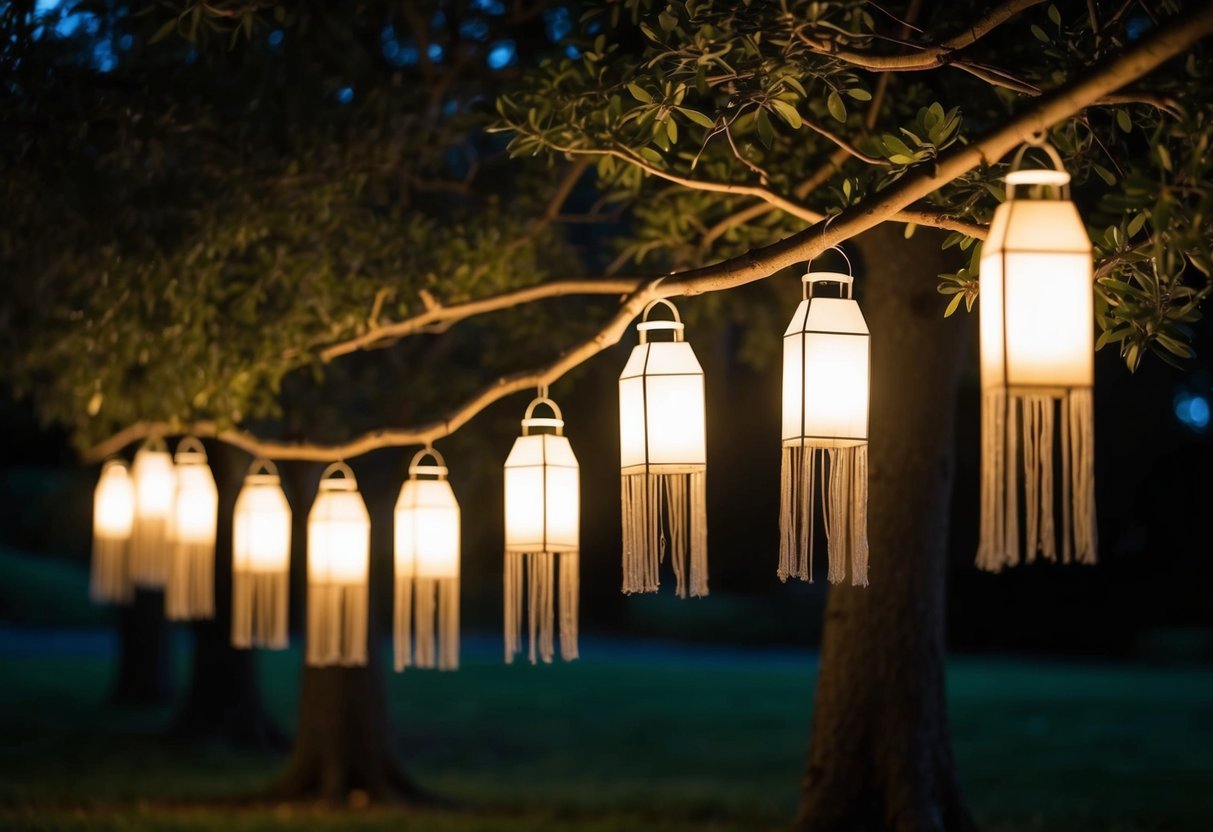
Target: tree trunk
x: 344, y: 748
x: 343, y: 751
x: 224, y: 698
x: 880, y: 756
x: 145, y: 653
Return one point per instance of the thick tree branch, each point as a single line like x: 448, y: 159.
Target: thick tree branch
x: 1170, y: 40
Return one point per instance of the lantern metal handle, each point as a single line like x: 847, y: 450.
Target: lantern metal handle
x: 531, y: 421
x: 810, y: 277
x: 348, y: 483
x: 645, y: 326
x: 154, y: 442
x: 259, y: 465
x: 191, y: 446
x: 439, y: 470
x: 1057, y: 177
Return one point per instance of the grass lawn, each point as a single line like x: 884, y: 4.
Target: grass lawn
x: 633, y: 737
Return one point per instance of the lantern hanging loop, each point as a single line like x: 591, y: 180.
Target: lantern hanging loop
x: 329, y: 479
x: 191, y: 449
x: 1056, y: 177
x: 810, y: 277
x: 438, y: 469
x: 262, y: 467
x: 530, y: 420
x: 645, y: 326
x: 155, y: 442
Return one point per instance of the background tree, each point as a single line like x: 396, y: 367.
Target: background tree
x: 735, y: 139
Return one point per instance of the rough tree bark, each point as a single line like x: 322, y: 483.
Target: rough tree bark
x: 145, y: 653
x: 224, y: 699
x: 880, y: 756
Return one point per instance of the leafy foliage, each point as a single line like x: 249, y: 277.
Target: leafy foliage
x: 211, y: 211
x: 676, y: 100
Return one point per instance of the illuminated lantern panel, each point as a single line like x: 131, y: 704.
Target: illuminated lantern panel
x: 155, y: 488
x: 427, y: 567
x: 338, y: 565
x: 113, y: 517
x: 261, y: 560
x: 826, y: 379
x: 190, y: 589
x: 542, y: 531
x: 1037, y: 372
x: 663, y: 460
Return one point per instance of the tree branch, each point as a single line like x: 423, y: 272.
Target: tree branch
x: 437, y: 318
x: 1161, y: 45
x: 926, y: 57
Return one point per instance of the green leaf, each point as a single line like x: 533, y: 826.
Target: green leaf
x: 1136, y: 223
x: 164, y: 31
x: 639, y: 93
x: 1054, y: 15
x: 837, y: 109
x: 1039, y: 34
x: 697, y: 117
x: 1123, y: 121
x: 1105, y: 174
x: 1164, y: 156
x: 859, y: 94
x: 953, y: 304
x: 765, y: 131
x: 787, y: 112
x: 911, y: 227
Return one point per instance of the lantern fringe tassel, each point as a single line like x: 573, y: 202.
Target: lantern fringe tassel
x: 259, y: 607
x: 998, y: 545
x: 149, y: 551
x: 336, y: 624
x: 111, y: 580
x: 844, y: 499
x: 537, y: 570
x: 653, y: 504
x: 189, y: 592
x: 417, y: 601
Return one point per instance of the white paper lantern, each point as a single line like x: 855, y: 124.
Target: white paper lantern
x: 190, y: 590
x: 1037, y: 372
x: 663, y: 460
x: 261, y: 560
x: 338, y: 568
x: 427, y: 567
x: 826, y: 358
x: 113, y: 517
x: 542, y: 530
x: 155, y: 486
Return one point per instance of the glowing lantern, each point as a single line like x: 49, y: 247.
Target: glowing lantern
x: 826, y: 355
x: 542, y: 526
x: 663, y: 459
x: 190, y: 589
x: 155, y: 485
x: 261, y: 560
x: 113, y: 516
x: 338, y: 565
x: 427, y: 566
x: 1037, y: 371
